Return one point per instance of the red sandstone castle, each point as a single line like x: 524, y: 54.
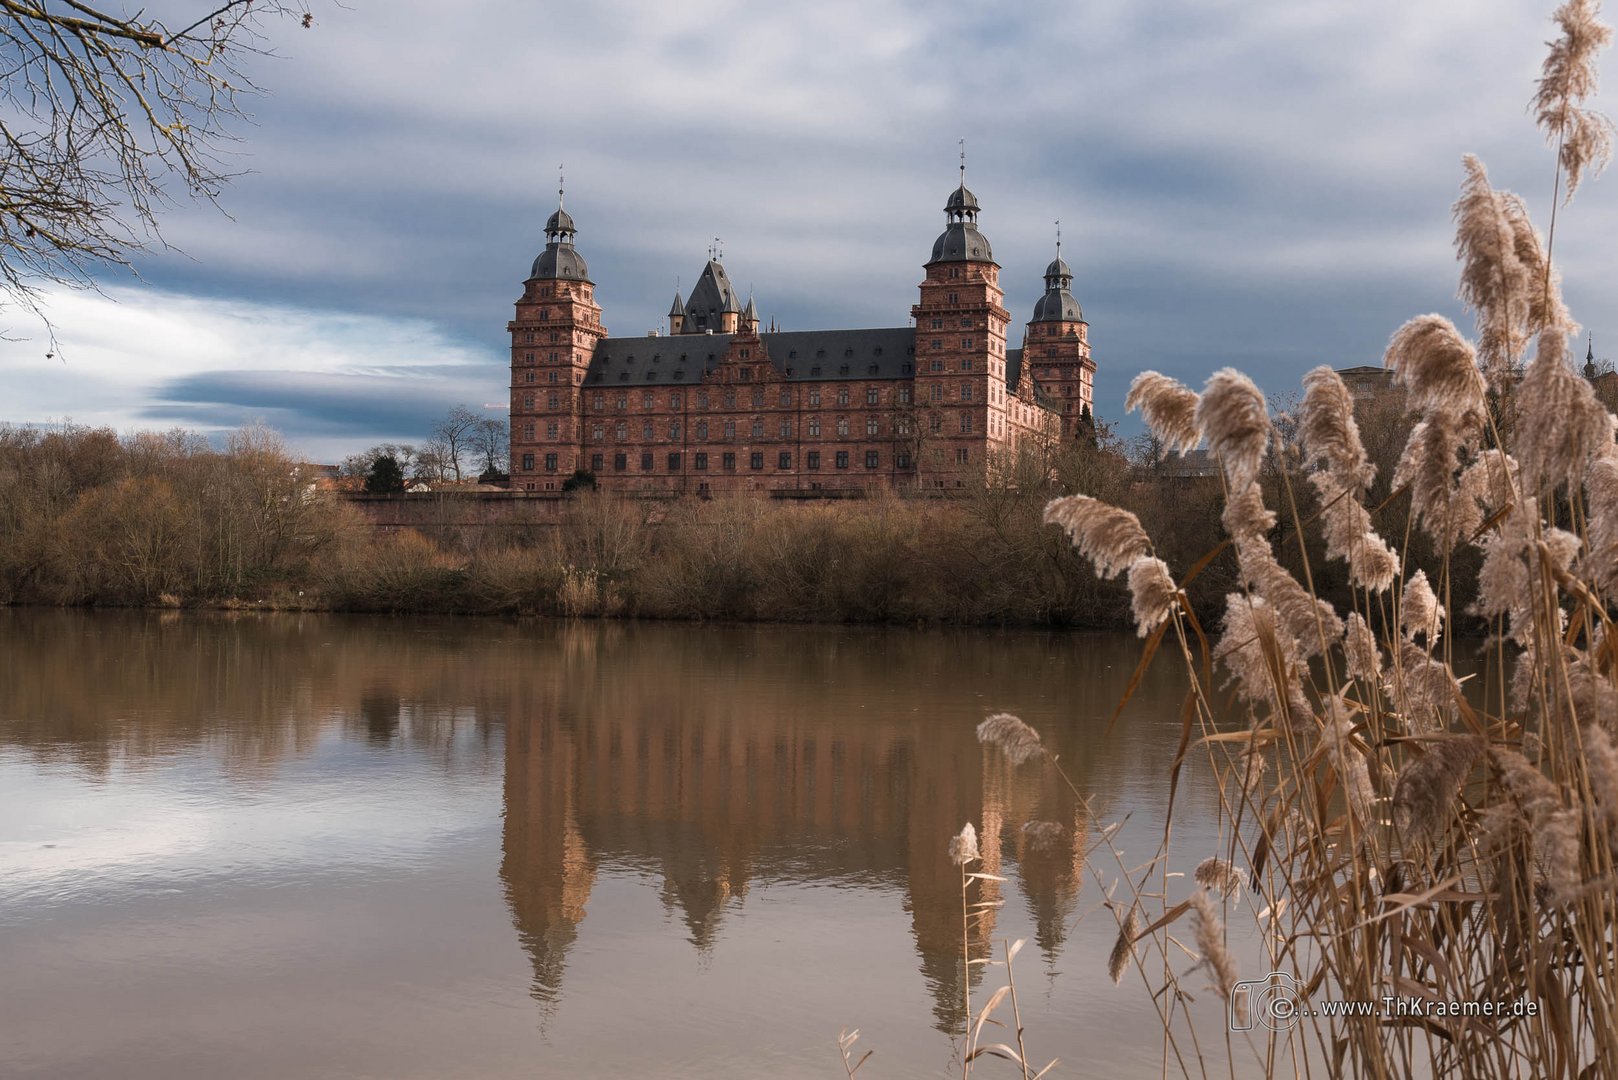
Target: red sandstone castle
x: 717, y: 406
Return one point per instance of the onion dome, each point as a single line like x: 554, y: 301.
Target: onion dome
x: 961, y: 241
x: 1058, y: 303
x: 560, y: 260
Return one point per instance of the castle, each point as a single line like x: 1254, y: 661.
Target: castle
x: 717, y: 406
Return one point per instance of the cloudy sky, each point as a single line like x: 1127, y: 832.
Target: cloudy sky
x: 1261, y: 183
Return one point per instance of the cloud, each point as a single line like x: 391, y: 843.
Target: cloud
x: 1234, y: 179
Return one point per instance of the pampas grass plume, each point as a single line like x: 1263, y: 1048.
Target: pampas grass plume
x: 1210, y: 934
x: 1123, y: 949
x: 1234, y: 416
x: 1427, y: 785
x: 1419, y: 609
x: 1568, y: 77
x: 1151, y: 591
x: 1438, y: 366
x: 1109, y: 537
x: 1217, y: 874
x: 1563, y: 426
x: 1330, y: 434
x: 1169, y: 408
x: 963, y: 848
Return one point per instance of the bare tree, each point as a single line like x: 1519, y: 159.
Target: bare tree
x: 492, y: 444
x: 103, y: 115
x: 455, y: 436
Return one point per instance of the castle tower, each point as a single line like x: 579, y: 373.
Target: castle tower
x: 713, y: 305
x: 676, y: 314
x: 1056, y: 351
x: 960, y: 349
x: 553, y: 336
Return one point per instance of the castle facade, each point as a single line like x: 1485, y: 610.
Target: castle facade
x: 716, y: 405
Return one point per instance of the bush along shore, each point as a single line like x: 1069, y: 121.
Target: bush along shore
x: 89, y: 517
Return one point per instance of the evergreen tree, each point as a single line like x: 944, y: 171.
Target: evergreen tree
x: 385, y: 475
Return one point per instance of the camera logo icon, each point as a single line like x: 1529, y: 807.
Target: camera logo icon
x: 1275, y: 1002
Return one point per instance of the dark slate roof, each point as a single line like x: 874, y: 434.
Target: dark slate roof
x: 560, y: 260
x: 1013, y: 367
x: 678, y: 307
x: 712, y: 297
x: 560, y: 222
x: 961, y: 199
x: 800, y: 356
x: 1059, y: 268
x: 1057, y: 305
x: 959, y: 242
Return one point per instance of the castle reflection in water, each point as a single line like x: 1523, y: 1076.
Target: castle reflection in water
x: 711, y: 759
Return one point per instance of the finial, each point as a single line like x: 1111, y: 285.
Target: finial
x: 561, y: 185
x: 963, y: 162
x: 717, y: 253
x: 1058, y: 238
x: 1590, y: 350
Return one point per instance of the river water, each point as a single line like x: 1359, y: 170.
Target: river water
x: 308, y: 845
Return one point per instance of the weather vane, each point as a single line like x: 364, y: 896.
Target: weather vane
x: 963, y: 162
x: 1058, y: 238
x: 561, y: 185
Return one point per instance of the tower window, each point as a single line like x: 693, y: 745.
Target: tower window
x: 871, y: 396
x: 872, y: 459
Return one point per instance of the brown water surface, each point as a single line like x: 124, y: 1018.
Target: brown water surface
x: 308, y: 845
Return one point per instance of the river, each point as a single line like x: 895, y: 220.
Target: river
x: 320, y: 846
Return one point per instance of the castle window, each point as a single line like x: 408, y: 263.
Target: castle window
x: 786, y: 395
x: 872, y: 370
x: 901, y: 426
x: 842, y: 395
x: 674, y: 429
x: 936, y: 423
x: 620, y: 461
x: 843, y: 370
x: 908, y: 369
x: 729, y: 462
x: 901, y: 460
x: 842, y: 425
x: 745, y: 373
x: 702, y: 431
x: 789, y: 371
x: 960, y: 455
x: 646, y: 461
x: 966, y: 391
x: 621, y: 432
x: 820, y: 354
x: 623, y: 402
x: 600, y: 402
x: 702, y: 399
x: 872, y: 425
x: 938, y: 324
x: 651, y: 376
x: 597, y: 462
x: 730, y: 429
x: 528, y: 337
x: 938, y: 365
x: 755, y: 460
x: 758, y: 398
x: 646, y: 432
x: 550, y: 429
x: 966, y: 423
x: 546, y: 291
x: 699, y: 461
x: 966, y: 343
x: 966, y: 321
x: 528, y: 358
x: 814, y: 372
x: 528, y: 402
x: 550, y: 462
x: 812, y: 460
x: 784, y: 460
x: 674, y: 401
x: 842, y: 459
x: 550, y: 377
x: 904, y: 395
x: 554, y: 338
x: 730, y: 399
x: 935, y: 392
x: 814, y: 427
x: 674, y: 462
x: 551, y: 400
x: 528, y: 432
x: 528, y: 462
x: 966, y: 364
x: 937, y: 344
x: 870, y: 395
x: 954, y: 299
x: 814, y: 397
x: 646, y: 400
x: 597, y: 432
x: 872, y: 459
x: 758, y: 427
x: 786, y: 429
x: 623, y: 376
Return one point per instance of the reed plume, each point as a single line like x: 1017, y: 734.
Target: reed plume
x: 1245, y: 513
x: 1330, y: 434
x: 1419, y: 609
x: 1019, y: 742
x: 1123, y: 949
x: 1602, y: 756
x: 1263, y: 660
x: 1438, y: 366
x: 1169, y: 408
x: 1601, y: 499
x: 1360, y: 650
x: 1583, y: 137
x: 963, y: 847
x: 1353, y: 768
x: 1109, y: 537
x: 1233, y: 415
x: 1431, y: 456
x: 1496, y: 282
x: 1552, y: 827
x: 1426, y: 686
x: 1346, y: 525
x: 1152, y: 593
x: 1427, y: 786
x: 1308, y: 620
x: 1563, y: 426
x: 1210, y: 935
x: 1217, y: 874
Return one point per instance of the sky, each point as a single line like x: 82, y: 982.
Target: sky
x: 1256, y: 183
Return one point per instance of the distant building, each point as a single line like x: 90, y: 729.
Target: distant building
x: 719, y: 405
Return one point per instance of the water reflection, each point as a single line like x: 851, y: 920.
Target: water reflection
x: 703, y: 764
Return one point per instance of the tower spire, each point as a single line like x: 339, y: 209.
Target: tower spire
x: 1058, y: 238
x: 561, y: 185
x: 963, y: 162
